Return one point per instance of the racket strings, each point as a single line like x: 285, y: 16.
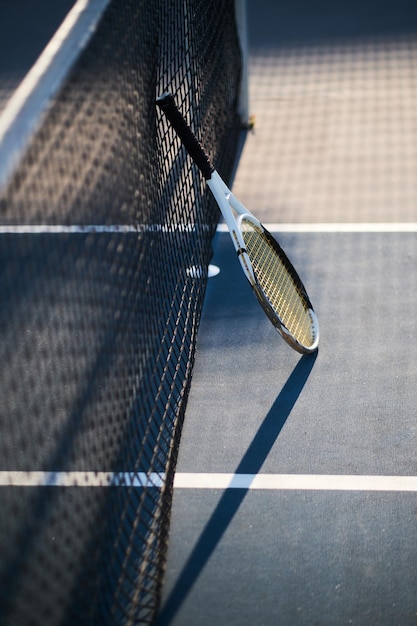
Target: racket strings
x: 274, y: 277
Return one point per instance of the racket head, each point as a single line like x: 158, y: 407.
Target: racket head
x: 278, y: 287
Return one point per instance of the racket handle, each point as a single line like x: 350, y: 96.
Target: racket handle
x: 167, y: 104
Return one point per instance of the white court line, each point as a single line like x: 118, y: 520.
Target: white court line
x: 275, y: 482
x: 39, y: 229
x: 309, y: 482
x: 23, y: 112
x: 388, y: 227
x: 81, y: 479
x: 330, y: 227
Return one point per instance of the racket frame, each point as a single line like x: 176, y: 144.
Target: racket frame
x: 227, y: 203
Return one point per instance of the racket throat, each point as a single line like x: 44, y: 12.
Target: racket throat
x: 223, y: 196
x: 243, y: 257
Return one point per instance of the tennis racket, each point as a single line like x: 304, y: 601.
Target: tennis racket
x: 271, y: 275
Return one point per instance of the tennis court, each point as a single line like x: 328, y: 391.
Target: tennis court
x: 295, y: 499
x: 294, y: 495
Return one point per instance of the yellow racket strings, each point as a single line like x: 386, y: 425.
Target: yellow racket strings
x: 278, y: 285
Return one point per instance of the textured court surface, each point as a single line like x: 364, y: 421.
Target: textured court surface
x: 299, y: 556
x: 321, y: 530
x: 333, y: 90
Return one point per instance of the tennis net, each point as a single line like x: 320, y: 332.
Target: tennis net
x: 105, y: 240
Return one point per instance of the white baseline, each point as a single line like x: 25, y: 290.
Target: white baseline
x: 342, y: 227
x: 324, y: 227
x: 309, y: 482
x: 221, y: 481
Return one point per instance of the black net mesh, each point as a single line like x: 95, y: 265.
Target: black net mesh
x: 102, y: 276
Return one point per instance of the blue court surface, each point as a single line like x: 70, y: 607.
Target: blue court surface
x: 295, y: 496
x: 295, y: 499
x: 321, y: 527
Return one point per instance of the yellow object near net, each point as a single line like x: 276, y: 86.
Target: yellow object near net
x: 273, y: 273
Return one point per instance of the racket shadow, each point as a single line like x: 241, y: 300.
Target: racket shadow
x: 231, y: 499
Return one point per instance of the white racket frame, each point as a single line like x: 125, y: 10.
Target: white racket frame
x: 228, y: 203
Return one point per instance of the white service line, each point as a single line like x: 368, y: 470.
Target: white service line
x: 40, y: 229
x: 57, y: 229
x: 274, y: 482
x: 81, y: 479
x: 33, y: 229
x: 330, y: 227
x: 309, y: 482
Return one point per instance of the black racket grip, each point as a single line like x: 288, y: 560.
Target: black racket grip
x: 196, y: 151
